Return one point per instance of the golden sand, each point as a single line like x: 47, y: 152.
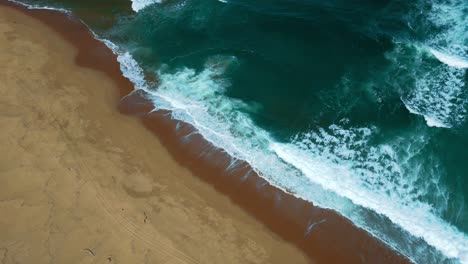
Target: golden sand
x: 82, y: 183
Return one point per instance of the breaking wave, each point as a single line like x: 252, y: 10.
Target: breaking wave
x: 138, y: 5
x: 335, y: 167
x: 439, y: 92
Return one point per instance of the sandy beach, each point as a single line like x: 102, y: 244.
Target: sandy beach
x: 87, y: 175
x: 82, y: 183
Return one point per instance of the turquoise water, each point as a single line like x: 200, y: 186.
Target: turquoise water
x: 358, y: 106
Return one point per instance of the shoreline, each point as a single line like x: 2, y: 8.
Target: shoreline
x: 82, y: 183
x: 289, y: 217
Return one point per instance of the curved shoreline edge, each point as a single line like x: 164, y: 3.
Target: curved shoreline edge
x: 322, y: 234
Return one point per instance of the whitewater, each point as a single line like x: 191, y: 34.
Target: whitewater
x: 197, y: 98
x: 327, y: 157
x: 440, y: 94
x: 138, y: 5
x: 321, y: 165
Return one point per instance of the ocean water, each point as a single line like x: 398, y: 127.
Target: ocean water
x: 357, y: 106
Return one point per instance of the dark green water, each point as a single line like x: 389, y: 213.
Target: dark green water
x: 359, y: 106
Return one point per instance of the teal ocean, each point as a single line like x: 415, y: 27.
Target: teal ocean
x: 357, y: 106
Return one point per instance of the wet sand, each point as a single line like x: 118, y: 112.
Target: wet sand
x: 82, y: 183
x: 175, y: 169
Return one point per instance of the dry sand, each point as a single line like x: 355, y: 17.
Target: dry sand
x: 82, y: 183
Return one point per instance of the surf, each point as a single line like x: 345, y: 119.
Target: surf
x: 439, y: 94
x: 335, y: 166
x: 197, y: 98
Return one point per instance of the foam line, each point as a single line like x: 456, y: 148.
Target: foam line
x: 31, y: 6
x: 197, y: 98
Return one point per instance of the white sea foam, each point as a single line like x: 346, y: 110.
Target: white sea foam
x: 450, y: 60
x: 430, y: 121
x: 138, y: 5
x: 374, y: 179
x: 339, y: 164
x: 33, y: 6
x: 452, y: 39
x: 439, y: 95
